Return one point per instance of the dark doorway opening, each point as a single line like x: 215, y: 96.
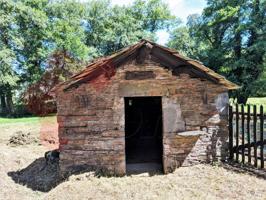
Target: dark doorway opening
x: 143, y: 131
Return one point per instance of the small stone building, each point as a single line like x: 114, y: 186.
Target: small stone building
x: 143, y: 104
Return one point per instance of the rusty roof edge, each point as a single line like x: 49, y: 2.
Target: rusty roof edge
x: 228, y: 84
x: 100, y: 63
x: 105, y: 58
x: 79, y: 77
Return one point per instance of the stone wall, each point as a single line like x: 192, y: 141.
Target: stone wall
x: 91, y: 119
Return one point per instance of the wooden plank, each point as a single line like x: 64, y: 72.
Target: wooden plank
x: 139, y: 75
x: 252, y: 144
x: 231, y: 135
x: 261, y: 137
x: 243, y: 132
x: 255, y: 135
x: 251, y: 114
x: 237, y: 133
x: 248, y: 135
x: 247, y: 155
x: 170, y: 60
x: 167, y: 57
x: 143, y: 54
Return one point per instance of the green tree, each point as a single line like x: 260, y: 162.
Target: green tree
x: 10, y: 42
x: 46, y: 41
x: 185, y: 38
x: 67, y: 52
x: 66, y: 29
x: 230, y: 38
x: 109, y: 28
x: 33, y: 28
x: 153, y: 15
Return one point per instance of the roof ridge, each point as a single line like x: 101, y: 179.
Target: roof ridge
x: 129, y: 50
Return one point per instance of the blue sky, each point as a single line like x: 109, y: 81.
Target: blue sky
x: 179, y: 8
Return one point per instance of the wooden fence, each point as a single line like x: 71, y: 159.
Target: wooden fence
x: 247, y: 135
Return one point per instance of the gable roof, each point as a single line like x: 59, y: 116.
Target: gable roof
x: 168, y: 57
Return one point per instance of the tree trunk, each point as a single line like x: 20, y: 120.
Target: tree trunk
x: 3, y: 104
x: 9, y: 102
x: 237, y: 47
x: 241, y: 99
x: 256, y: 19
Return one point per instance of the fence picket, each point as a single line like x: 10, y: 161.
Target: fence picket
x: 248, y: 135
x: 261, y: 137
x: 251, y: 139
x: 255, y: 135
x: 231, y: 156
x: 237, y: 133
x: 243, y: 132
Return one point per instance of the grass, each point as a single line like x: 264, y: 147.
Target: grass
x: 17, y: 120
x: 257, y: 101
x: 254, y: 101
x: 4, y: 120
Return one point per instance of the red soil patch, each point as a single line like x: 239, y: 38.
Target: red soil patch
x: 49, y: 133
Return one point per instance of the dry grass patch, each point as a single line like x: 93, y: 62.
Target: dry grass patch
x: 197, y: 182
x: 26, y: 162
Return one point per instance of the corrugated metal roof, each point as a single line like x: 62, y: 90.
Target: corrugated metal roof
x: 103, y: 65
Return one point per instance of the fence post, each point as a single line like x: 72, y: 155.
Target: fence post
x: 237, y: 134
x: 261, y: 137
x: 231, y: 153
x: 243, y: 132
x: 248, y: 135
x: 255, y: 135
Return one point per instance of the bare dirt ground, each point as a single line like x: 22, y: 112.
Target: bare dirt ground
x: 24, y: 175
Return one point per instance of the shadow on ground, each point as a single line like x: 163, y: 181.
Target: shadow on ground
x: 38, y: 175
x: 43, y: 177
x: 240, y: 168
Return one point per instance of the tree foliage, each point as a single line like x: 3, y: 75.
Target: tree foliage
x: 109, y: 28
x: 43, y: 42
x: 230, y: 38
x: 10, y: 41
x: 60, y: 66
